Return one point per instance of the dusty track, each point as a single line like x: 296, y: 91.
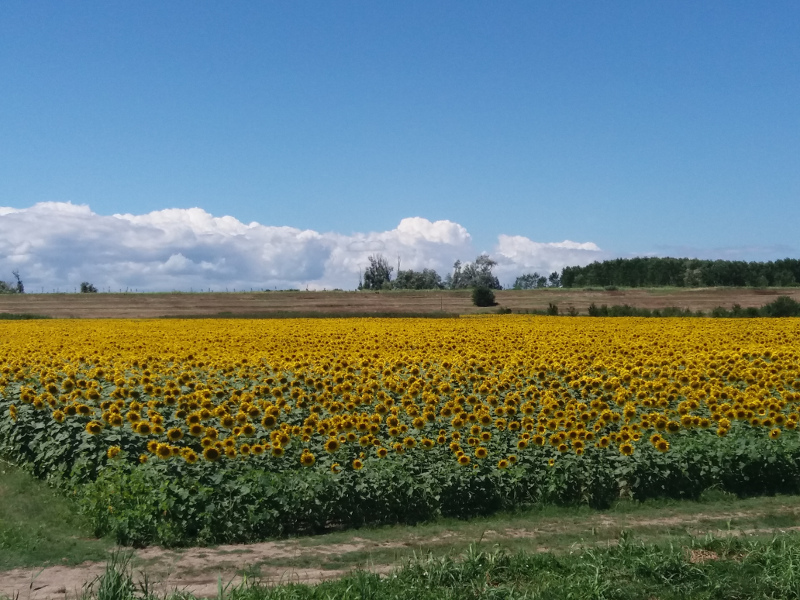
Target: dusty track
x: 105, y: 305
x: 308, y: 560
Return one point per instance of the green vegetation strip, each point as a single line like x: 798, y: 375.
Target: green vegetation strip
x: 730, y: 568
x: 39, y: 527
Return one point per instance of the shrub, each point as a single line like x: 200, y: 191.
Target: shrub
x: 483, y: 296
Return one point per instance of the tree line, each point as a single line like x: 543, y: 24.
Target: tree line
x: 478, y: 274
x: 683, y: 272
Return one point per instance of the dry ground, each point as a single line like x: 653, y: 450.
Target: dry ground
x: 131, y: 305
x: 313, y: 559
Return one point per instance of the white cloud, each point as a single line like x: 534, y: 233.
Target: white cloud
x: 516, y: 254
x: 58, y: 245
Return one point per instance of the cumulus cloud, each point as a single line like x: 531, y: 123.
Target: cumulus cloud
x: 57, y: 245
x: 516, y: 254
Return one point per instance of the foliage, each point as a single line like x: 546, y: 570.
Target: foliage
x: 171, y: 432
x: 427, y: 279
x: 20, y: 286
x: 530, y: 281
x: 473, y: 275
x: 88, y: 288
x: 483, y: 296
x: 629, y: 569
x: 377, y: 275
x: 683, y: 272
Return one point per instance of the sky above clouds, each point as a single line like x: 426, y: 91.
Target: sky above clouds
x: 188, y: 145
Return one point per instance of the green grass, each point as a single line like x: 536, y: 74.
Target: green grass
x: 553, y: 528
x: 20, y: 316
x: 38, y: 527
x: 628, y: 570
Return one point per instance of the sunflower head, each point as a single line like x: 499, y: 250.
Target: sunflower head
x: 626, y: 448
x: 211, y: 454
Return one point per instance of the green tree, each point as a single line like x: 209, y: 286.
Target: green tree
x: 427, y: 279
x: 88, y: 288
x: 378, y: 274
x: 472, y: 275
x: 20, y: 287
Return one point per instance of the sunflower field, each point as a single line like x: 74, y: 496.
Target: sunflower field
x: 178, y: 431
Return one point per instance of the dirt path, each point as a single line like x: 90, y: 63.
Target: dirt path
x: 314, y: 559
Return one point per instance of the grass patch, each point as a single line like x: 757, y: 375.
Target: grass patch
x: 20, y: 316
x: 547, y: 529
x: 628, y: 569
x: 38, y: 527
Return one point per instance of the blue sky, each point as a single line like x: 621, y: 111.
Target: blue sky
x: 668, y: 128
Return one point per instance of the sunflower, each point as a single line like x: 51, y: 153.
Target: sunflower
x: 94, y: 427
x: 58, y: 416
x: 163, y: 451
x: 277, y: 451
x: 196, y: 430
x: 248, y: 430
x: 143, y: 458
x: 626, y: 448
x: 307, y: 459
x: 381, y: 452
x: 502, y: 464
x: 486, y: 436
x: 175, y: 434
x: 358, y: 465
x: 211, y: 454
x: 522, y: 444
x: 257, y: 449
x: 662, y: 445
x: 335, y: 468
x: 463, y: 460
x: 481, y: 452
x: 113, y: 452
x: 409, y: 442
x: 427, y: 444
x: 189, y: 455
x: 332, y: 445
x: 244, y: 449
x: 775, y: 434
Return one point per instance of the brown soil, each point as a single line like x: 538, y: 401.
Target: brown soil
x: 105, y: 305
x: 201, y: 570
